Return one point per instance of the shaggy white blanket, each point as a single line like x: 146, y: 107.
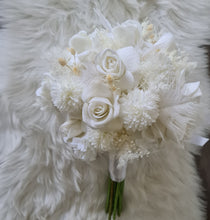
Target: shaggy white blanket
x: 39, y: 179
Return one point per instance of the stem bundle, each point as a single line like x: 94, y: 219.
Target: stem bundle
x: 114, y: 198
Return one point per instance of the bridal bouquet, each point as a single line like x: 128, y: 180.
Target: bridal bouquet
x: 124, y: 91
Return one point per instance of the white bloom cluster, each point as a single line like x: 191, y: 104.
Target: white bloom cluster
x: 139, y: 109
x: 117, y: 86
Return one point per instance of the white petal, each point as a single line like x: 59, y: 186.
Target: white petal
x: 80, y: 42
x: 192, y: 90
x: 101, y: 99
x: 166, y: 42
x: 127, y: 81
x: 127, y: 34
x: 130, y: 58
x: 71, y: 129
x: 116, y: 105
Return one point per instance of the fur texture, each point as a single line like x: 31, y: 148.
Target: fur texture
x: 39, y: 179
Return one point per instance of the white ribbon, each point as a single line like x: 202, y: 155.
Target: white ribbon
x: 199, y: 141
x: 117, y: 173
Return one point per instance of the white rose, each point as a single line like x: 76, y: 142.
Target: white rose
x: 120, y: 65
x: 101, y: 107
x: 108, y: 62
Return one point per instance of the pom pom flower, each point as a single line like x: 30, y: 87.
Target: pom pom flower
x: 139, y: 109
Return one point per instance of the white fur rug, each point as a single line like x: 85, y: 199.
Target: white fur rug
x: 39, y: 179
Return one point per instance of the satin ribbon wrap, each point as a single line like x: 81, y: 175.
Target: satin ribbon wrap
x: 117, y: 173
x: 199, y: 140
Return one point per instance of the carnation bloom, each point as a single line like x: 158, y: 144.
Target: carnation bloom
x: 66, y: 96
x: 139, y: 109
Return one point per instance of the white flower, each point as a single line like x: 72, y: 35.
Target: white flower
x: 71, y: 128
x: 139, y: 109
x: 82, y: 149
x: 165, y: 43
x: 102, y: 39
x: 89, y: 143
x: 80, y: 42
x: 101, y: 107
x: 119, y: 65
x: 66, y: 95
x: 127, y: 34
x: 98, y: 111
x: 109, y: 63
x: 43, y: 95
x: 130, y: 58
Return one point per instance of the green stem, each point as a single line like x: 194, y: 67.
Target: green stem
x: 120, y: 197
x: 111, y: 200
x: 114, y: 198
x: 108, y: 195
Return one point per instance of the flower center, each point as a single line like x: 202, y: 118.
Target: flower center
x: 111, y: 63
x: 99, y: 110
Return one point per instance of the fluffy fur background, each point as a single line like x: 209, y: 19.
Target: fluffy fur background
x: 39, y: 180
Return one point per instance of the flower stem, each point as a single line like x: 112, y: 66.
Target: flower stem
x: 111, y: 199
x: 108, y: 195
x: 114, y: 198
x: 120, y: 197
